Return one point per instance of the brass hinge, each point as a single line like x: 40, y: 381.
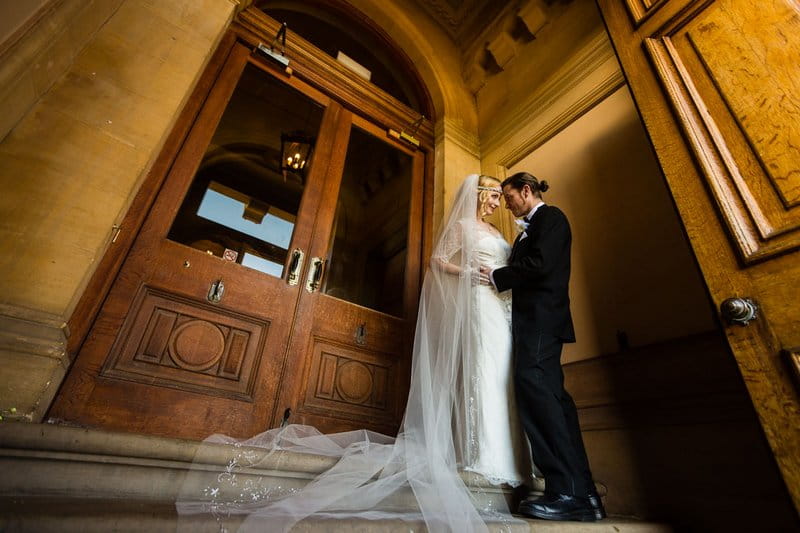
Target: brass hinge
x: 115, y: 231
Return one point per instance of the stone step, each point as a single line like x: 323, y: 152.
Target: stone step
x: 60, y: 478
x: 99, y: 517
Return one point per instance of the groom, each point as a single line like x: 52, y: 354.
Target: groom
x: 538, y: 273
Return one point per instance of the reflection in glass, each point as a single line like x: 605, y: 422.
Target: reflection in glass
x: 368, y: 256
x: 227, y: 207
x: 241, y: 205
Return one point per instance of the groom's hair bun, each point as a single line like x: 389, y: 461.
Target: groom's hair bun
x: 521, y: 179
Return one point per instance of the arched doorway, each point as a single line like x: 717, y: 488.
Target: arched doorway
x: 276, y: 275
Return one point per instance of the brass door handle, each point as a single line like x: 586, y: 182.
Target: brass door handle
x: 216, y: 291
x: 315, y: 272
x: 739, y: 310
x: 295, y: 265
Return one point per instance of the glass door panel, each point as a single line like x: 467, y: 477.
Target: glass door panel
x: 244, y: 200
x: 369, y: 243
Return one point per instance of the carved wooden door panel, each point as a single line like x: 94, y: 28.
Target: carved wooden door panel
x: 717, y: 83
x: 193, y: 336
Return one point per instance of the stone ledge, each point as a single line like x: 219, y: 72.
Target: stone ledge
x: 26, y: 336
x: 62, y: 462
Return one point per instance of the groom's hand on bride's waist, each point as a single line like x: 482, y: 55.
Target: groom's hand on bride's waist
x: 479, y: 278
x: 475, y: 276
x: 485, y: 275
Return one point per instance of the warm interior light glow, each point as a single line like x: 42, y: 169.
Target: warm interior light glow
x: 296, y: 149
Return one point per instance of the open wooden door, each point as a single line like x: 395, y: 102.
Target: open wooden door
x: 717, y: 83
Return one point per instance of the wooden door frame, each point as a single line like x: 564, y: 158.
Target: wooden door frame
x: 332, y: 77
x: 357, y: 18
x: 310, y: 64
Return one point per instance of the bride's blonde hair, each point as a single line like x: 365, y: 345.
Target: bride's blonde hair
x: 486, y: 186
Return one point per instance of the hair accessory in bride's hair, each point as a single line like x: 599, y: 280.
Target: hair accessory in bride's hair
x: 493, y: 189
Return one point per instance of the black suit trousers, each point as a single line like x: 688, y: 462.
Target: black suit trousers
x: 549, y: 416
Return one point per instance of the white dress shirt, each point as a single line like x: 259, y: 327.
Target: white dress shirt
x: 529, y: 216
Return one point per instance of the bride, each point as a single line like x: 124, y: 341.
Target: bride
x: 460, y: 413
x: 488, y: 436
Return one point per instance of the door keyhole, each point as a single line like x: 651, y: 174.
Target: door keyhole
x: 361, y: 334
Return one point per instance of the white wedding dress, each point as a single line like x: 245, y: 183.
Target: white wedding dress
x: 460, y: 415
x: 499, y: 451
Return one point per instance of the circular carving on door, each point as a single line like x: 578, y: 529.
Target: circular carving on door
x: 196, y: 345
x: 354, y: 382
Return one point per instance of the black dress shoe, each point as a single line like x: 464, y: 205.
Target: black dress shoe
x: 594, y: 501
x: 560, y: 507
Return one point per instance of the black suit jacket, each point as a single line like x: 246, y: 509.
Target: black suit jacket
x: 538, y: 272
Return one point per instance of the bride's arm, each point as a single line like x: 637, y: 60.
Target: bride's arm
x: 448, y: 257
x: 448, y: 250
x: 445, y: 266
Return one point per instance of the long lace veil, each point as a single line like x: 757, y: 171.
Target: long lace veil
x: 415, y: 476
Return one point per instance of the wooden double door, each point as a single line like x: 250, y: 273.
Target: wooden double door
x: 273, y: 279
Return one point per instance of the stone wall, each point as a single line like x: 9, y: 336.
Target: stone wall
x: 97, y: 88
x: 573, y: 123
